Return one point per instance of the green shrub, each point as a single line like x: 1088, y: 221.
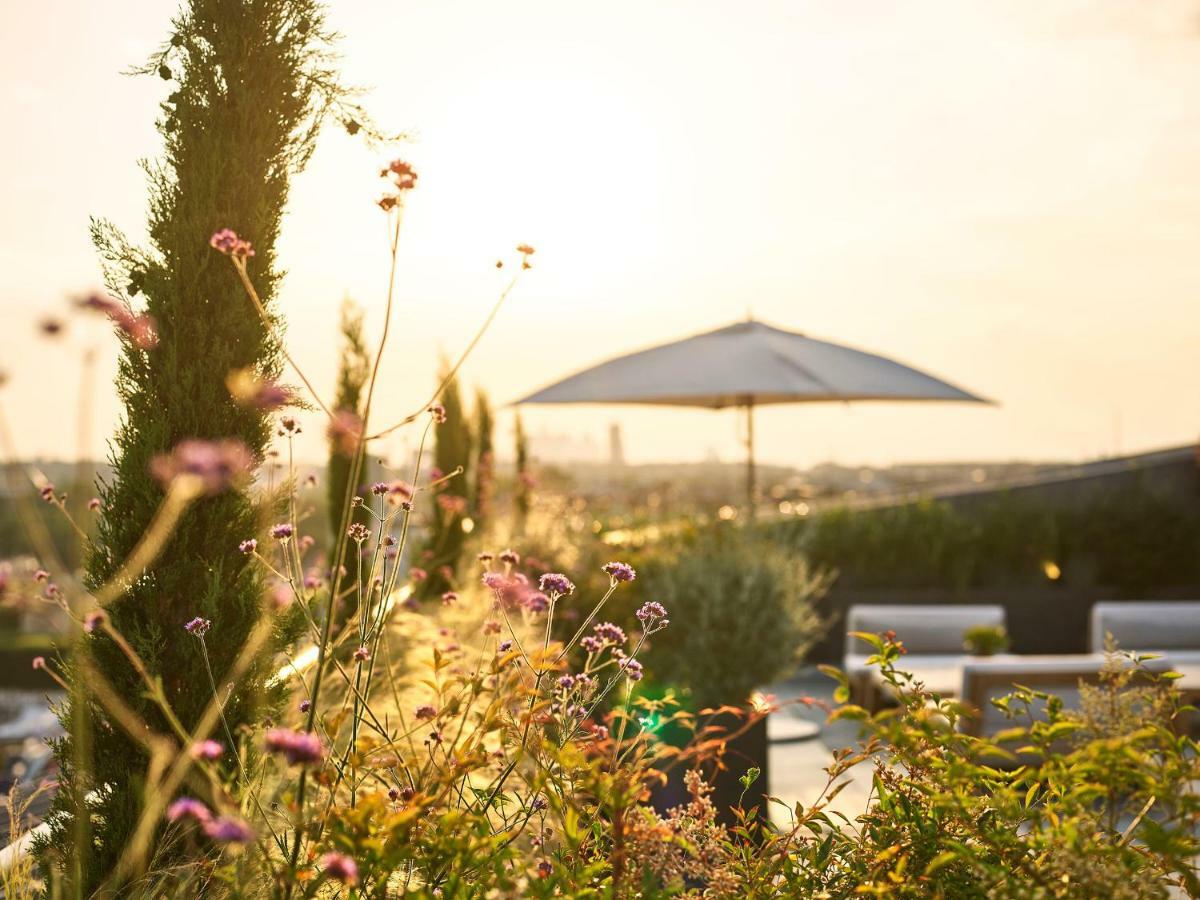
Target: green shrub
x: 748, y: 605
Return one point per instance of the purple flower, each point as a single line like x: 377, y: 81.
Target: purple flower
x: 556, y: 583
x: 438, y: 412
x: 380, y: 488
x: 591, y: 644
x: 494, y: 580
x: 282, y: 531
x: 340, y: 867
x: 229, y: 830
x: 209, y: 750
x: 305, y: 705
x: 653, y: 616
x: 188, y: 808
x: 248, y: 546
x: 362, y: 654
x: 216, y: 465
x: 607, y: 631
x: 619, y: 571
x: 536, y: 602
x: 511, y: 557
x: 504, y: 646
x: 93, y: 620
x: 425, y: 712
x: 227, y: 241
x: 632, y: 669
x: 449, y: 597
x: 358, y: 532
x: 566, y: 682
x: 545, y: 869
x: 198, y: 627
x: 295, y: 746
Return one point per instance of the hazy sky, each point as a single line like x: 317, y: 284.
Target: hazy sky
x: 1002, y: 193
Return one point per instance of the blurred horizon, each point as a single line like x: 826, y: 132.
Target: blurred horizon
x: 996, y: 193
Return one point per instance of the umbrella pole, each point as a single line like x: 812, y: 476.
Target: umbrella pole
x: 751, y: 474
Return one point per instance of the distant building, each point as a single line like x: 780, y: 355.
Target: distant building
x: 616, y: 451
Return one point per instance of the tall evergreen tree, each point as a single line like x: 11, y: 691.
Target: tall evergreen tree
x: 354, y: 367
x: 523, y: 489
x: 485, y: 462
x: 448, y: 505
x: 251, y: 83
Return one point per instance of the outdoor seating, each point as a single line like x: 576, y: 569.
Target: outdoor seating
x: 932, y: 635
x: 1171, y: 628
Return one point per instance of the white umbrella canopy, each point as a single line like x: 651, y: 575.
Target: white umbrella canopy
x: 748, y: 364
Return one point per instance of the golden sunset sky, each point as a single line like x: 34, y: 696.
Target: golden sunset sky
x: 1002, y: 193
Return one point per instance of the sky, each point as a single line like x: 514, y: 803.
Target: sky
x: 1001, y: 193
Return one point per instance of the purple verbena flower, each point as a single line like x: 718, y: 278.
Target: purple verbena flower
x: 591, y: 643
x: 215, y: 465
x: 556, y: 583
x: 283, y: 531
x: 607, y: 631
x: 198, y: 627
x: 295, y: 746
x: 653, y: 616
x: 362, y: 654
x: 210, y: 750
x: 619, y: 571
x: 188, y: 808
x: 340, y: 867
x: 248, y: 546
x: 227, y: 241
x: 358, y: 532
x: 305, y: 705
x: 229, y: 830
x: 632, y: 669
x: 536, y: 602
x: 93, y: 620
x: 510, y: 556
x: 425, y: 712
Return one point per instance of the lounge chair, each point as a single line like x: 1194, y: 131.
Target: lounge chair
x: 932, y: 635
x: 1171, y: 628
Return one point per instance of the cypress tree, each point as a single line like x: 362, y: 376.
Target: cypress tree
x: 251, y: 81
x: 448, y: 505
x: 354, y: 367
x: 523, y: 489
x: 485, y: 463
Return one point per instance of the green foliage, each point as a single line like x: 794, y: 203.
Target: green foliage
x: 748, y: 609
x: 523, y: 493
x: 448, y: 504
x: 1127, y: 541
x: 237, y: 124
x: 985, y: 640
x: 354, y: 367
x: 1102, y: 805
x: 485, y: 463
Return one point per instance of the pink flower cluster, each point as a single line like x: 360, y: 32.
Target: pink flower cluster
x: 218, y: 465
x: 140, y: 329
x: 227, y: 241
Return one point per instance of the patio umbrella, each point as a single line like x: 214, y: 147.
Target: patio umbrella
x: 748, y: 364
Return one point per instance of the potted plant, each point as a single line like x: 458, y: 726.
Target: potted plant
x: 745, y: 618
x: 985, y: 640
